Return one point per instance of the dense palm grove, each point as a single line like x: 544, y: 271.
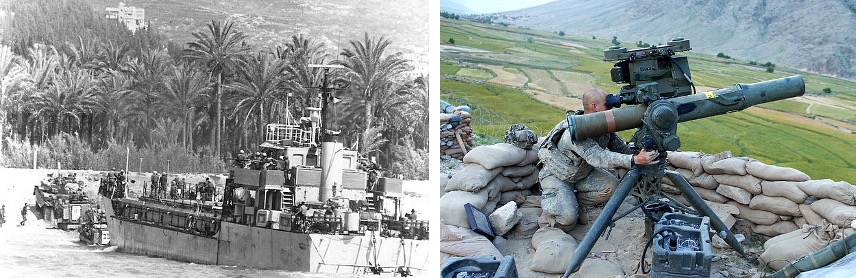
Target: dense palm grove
x: 71, y: 77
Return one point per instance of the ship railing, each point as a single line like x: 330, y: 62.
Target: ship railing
x: 174, y: 220
x: 302, y: 136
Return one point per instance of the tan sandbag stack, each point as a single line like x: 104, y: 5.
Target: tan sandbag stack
x: 455, y: 140
x: 492, y: 176
x: 777, y: 200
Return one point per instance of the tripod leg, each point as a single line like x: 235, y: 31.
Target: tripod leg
x: 602, y: 221
x: 702, y: 207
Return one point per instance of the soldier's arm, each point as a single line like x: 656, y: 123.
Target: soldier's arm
x: 595, y: 155
x: 617, y: 144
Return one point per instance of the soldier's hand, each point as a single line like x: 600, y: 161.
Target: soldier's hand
x: 646, y: 158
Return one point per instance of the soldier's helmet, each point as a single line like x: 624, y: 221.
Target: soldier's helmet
x: 521, y: 136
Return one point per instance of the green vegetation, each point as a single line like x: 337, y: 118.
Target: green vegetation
x: 785, y: 139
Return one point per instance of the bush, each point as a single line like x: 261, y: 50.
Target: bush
x: 72, y: 153
x: 615, y: 40
x: 722, y: 55
x: 593, y: 37
x: 562, y: 33
x: 753, y: 63
x: 771, y: 69
x: 451, y: 41
x: 827, y: 90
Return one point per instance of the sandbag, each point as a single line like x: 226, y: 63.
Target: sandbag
x: 710, y: 195
x: 731, y: 165
x: 704, y: 181
x: 446, y: 234
x: 444, y: 180
x: 452, y: 206
x: 553, y: 250
x: 787, y: 189
x: 531, y: 156
x: 777, y: 205
x: 493, y: 156
x: 777, y: 228
x: 519, y: 171
x: 839, y: 191
x: 795, y: 244
x: 597, y: 268
x: 774, y: 173
x: 759, y: 217
x: 749, y: 183
x: 671, y: 189
x: 800, y: 221
x: 810, y: 216
x: 504, y: 218
x: 687, y: 160
x: 734, y: 193
x: 470, y: 245
x: 835, y: 212
x: 559, y: 201
x: 528, y: 224
x: 490, y: 206
x: 528, y: 181
x: 532, y: 202
x: 782, y: 238
x: 503, y: 183
x: 472, y: 178
x: 517, y: 196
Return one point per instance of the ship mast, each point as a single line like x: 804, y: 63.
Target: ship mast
x: 331, y: 145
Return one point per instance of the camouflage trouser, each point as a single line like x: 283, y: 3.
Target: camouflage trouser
x: 561, y: 199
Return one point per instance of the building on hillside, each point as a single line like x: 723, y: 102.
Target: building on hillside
x: 133, y: 17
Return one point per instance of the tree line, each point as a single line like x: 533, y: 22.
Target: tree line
x: 67, y: 70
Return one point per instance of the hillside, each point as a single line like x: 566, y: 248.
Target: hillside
x: 272, y: 23
x: 513, y: 75
x: 455, y: 7
x: 814, y: 35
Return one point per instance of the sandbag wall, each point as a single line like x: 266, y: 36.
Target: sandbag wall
x: 497, y: 180
x: 456, y: 134
x: 775, y: 199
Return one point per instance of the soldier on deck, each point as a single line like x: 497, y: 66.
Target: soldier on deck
x: 163, y: 182
x: 154, y: 185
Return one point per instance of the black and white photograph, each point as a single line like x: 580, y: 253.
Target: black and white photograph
x: 166, y: 138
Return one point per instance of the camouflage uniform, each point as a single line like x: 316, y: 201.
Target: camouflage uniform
x: 574, y: 172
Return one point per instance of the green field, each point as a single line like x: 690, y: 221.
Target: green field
x: 785, y: 138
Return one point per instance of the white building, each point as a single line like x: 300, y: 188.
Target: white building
x: 133, y: 17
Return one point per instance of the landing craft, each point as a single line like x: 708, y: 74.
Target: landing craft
x: 322, y: 208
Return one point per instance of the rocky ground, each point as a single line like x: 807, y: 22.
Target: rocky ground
x: 626, y: 241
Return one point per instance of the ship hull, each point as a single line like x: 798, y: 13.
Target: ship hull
x: 265, y: 248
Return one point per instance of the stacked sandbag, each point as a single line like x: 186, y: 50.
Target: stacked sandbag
x: 463, y: 242
x: 781, y: 250
x: 553, y: 250
x: 775, y: 199
x: 456, y: 134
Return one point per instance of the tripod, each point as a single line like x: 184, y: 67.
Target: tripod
x: 638, y: 176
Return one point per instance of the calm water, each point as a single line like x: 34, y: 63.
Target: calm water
x: 33, y: 251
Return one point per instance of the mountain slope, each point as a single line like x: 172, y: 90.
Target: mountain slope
x: 815, y: 35
x: 272, y: 23
x: 455, y: 7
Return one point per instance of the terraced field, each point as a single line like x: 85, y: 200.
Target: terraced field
x: 540, y: 75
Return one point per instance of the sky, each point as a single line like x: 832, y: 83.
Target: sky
x: 493, y: 6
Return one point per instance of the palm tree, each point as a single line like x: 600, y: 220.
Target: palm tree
x: 220, y: 50
x: 72, y: 96
x: 148, y: 73
x: 185, y: 88
x: 42, y: 64
x: 300, y: 52
x: 116, y: 101
x: 371, y: 72
x: 261, y: 80
x: 113, y: 56
x: 13, y: 74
